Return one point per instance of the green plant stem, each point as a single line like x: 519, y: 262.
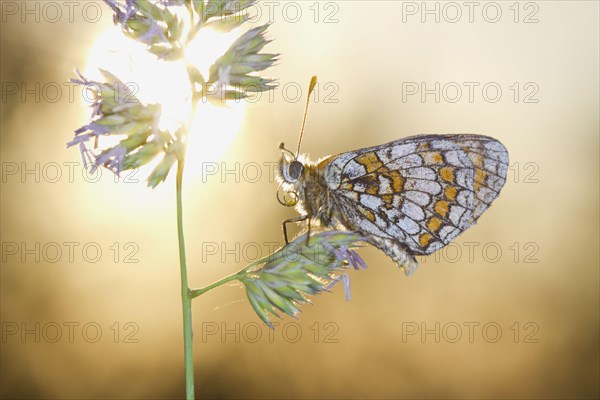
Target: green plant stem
x: 233, y: 277
x: 197, y: 292
x: 186, y: 298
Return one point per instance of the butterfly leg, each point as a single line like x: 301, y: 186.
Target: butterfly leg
x: 295, y: 219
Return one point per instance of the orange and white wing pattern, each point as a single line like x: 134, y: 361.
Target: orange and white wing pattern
x: 415, y: 195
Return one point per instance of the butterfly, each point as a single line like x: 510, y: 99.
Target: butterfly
x: 408, y: 197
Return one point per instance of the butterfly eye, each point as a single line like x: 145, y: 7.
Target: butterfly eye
x: 295, y: 170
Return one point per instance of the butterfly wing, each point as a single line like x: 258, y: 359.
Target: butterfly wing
x: 416, y: 194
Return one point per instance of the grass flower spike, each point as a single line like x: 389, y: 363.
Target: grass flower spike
x: 151, y: 23
x: 118, y: 113
x: 298, y: 270
x: 232, y: 72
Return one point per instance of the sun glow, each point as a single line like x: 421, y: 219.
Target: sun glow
x: 213, y: 128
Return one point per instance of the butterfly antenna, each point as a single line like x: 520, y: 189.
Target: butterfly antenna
x: 311, y: 87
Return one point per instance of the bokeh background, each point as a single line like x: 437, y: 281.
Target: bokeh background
x: 517, y: 316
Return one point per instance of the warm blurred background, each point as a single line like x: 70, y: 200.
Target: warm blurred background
x: 514, y: 303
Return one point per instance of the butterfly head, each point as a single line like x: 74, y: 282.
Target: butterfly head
x: 291, y: 171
